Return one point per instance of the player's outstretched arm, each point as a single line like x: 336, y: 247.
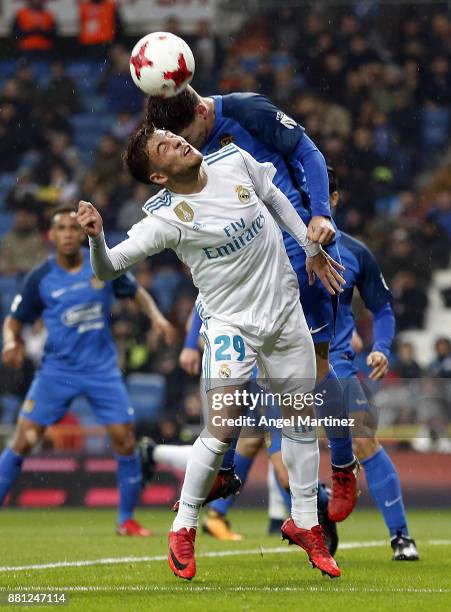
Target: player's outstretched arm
x: 106, y: 263
x: 159, y: 322
x: 13, y: 352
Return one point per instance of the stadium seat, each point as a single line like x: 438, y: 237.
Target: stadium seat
x: 147, y: 396
x: 6, y: 222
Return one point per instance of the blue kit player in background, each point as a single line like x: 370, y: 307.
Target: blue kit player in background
x: 79, y: 358
x: 253, y: 123
x: 362, y: 272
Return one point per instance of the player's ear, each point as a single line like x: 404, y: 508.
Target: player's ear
x: 334, y: 198
x: 158, y: 179
x: 202, y: 110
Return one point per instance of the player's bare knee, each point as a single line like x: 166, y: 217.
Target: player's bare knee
x: 365, y: 447
x: 26, y: 437
x: 249, y: 447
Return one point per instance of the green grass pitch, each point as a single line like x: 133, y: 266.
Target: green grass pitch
x: 264, y: 575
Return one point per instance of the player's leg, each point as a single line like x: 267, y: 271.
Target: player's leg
x: 109, y: 400
x: 227, y: 362
x: 289, y: 365
x: 46, y: 402
x: 26, y: 436
x: 274, y: 445
x: 277, y: 508
x: 215, y: 523
x: 320, y: 310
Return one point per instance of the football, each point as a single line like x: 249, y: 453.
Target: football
x: 161, y: 64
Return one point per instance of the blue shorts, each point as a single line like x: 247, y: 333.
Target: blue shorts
x: 354, y: 396
x: 320, y: 308
x: 52, y: 392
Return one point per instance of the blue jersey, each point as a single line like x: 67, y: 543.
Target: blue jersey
x: 253, y: 123
x: 76, y: 311
x: 363, y: 272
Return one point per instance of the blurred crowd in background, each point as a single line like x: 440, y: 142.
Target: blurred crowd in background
x: 371, y: 88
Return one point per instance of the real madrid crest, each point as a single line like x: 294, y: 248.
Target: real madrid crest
x: 224, y: 371
x: 244, y: 195
x: 184, y: 212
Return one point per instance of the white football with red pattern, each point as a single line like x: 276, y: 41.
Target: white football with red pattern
x: 162, y: 64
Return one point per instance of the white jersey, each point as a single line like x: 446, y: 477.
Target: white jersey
x: 229, y: 240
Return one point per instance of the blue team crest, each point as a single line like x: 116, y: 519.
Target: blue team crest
x: 28, y: 405
x: 96, y: 283
x: 225, y: 139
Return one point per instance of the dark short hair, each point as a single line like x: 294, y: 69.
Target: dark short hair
x: 333, y: 179
x: 173, y: 114
x: 62, y: 210
x: 136, y: 157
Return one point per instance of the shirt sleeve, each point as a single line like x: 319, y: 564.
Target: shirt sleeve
x: 261, y: 118
x: 384, y: 328
x: 146, y: 238
x: 28, y: 306
x: 125, y: 286
x: 192, y: 337
x: 278, y: 204
x: 308, y: 162
x: 371, y: 283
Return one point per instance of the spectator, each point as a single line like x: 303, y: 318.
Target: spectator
x: 34, y: 29
x: 23, y: 246
x: 406, y: 365
x: 108, y: 162
x: 131, y: 210
x: 410, y: 301
x: 61, y: 92
x: 100, y: 25
x: 441, y: 366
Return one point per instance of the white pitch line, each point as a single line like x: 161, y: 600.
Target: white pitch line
x: 217, y: 589
x: 218, y: 553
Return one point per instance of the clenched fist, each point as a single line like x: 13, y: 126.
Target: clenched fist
x: 89, y: 218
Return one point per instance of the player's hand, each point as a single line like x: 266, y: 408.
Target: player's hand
x: 189, y: 361
x: 379, y: 362
x: 320, y: 229
x: 162, y: 326
x: 327, y: 270
x: 89, y: 218
x: 13, y: 354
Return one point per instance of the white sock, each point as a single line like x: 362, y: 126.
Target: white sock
x: 300, y: 455
x: 276, y: 505
x: 174, y: 456
x: 203, y: 465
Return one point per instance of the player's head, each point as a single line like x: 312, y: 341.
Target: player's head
x: 185, y: 114
x: 161, y: 157
x: 65, y: 232
x: 334, y: 195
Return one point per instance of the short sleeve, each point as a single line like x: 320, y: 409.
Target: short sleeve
x: 27, y: 306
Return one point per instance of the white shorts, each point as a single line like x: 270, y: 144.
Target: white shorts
x: 285, y: 358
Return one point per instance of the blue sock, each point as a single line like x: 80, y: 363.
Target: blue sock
x: 323, y: 498
x: 10, y: 466
x: 333, y: 405
x: 385, y: 488
x: 129, y: 480
x: 229, y: 456
x: 242, y: 467
x: 285, y: 494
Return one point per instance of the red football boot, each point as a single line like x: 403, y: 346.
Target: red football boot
x: 344, y: 492
x: 313, y: 542
x: 181, y: 553
x: 130, y: 527
x: 225, y: 484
